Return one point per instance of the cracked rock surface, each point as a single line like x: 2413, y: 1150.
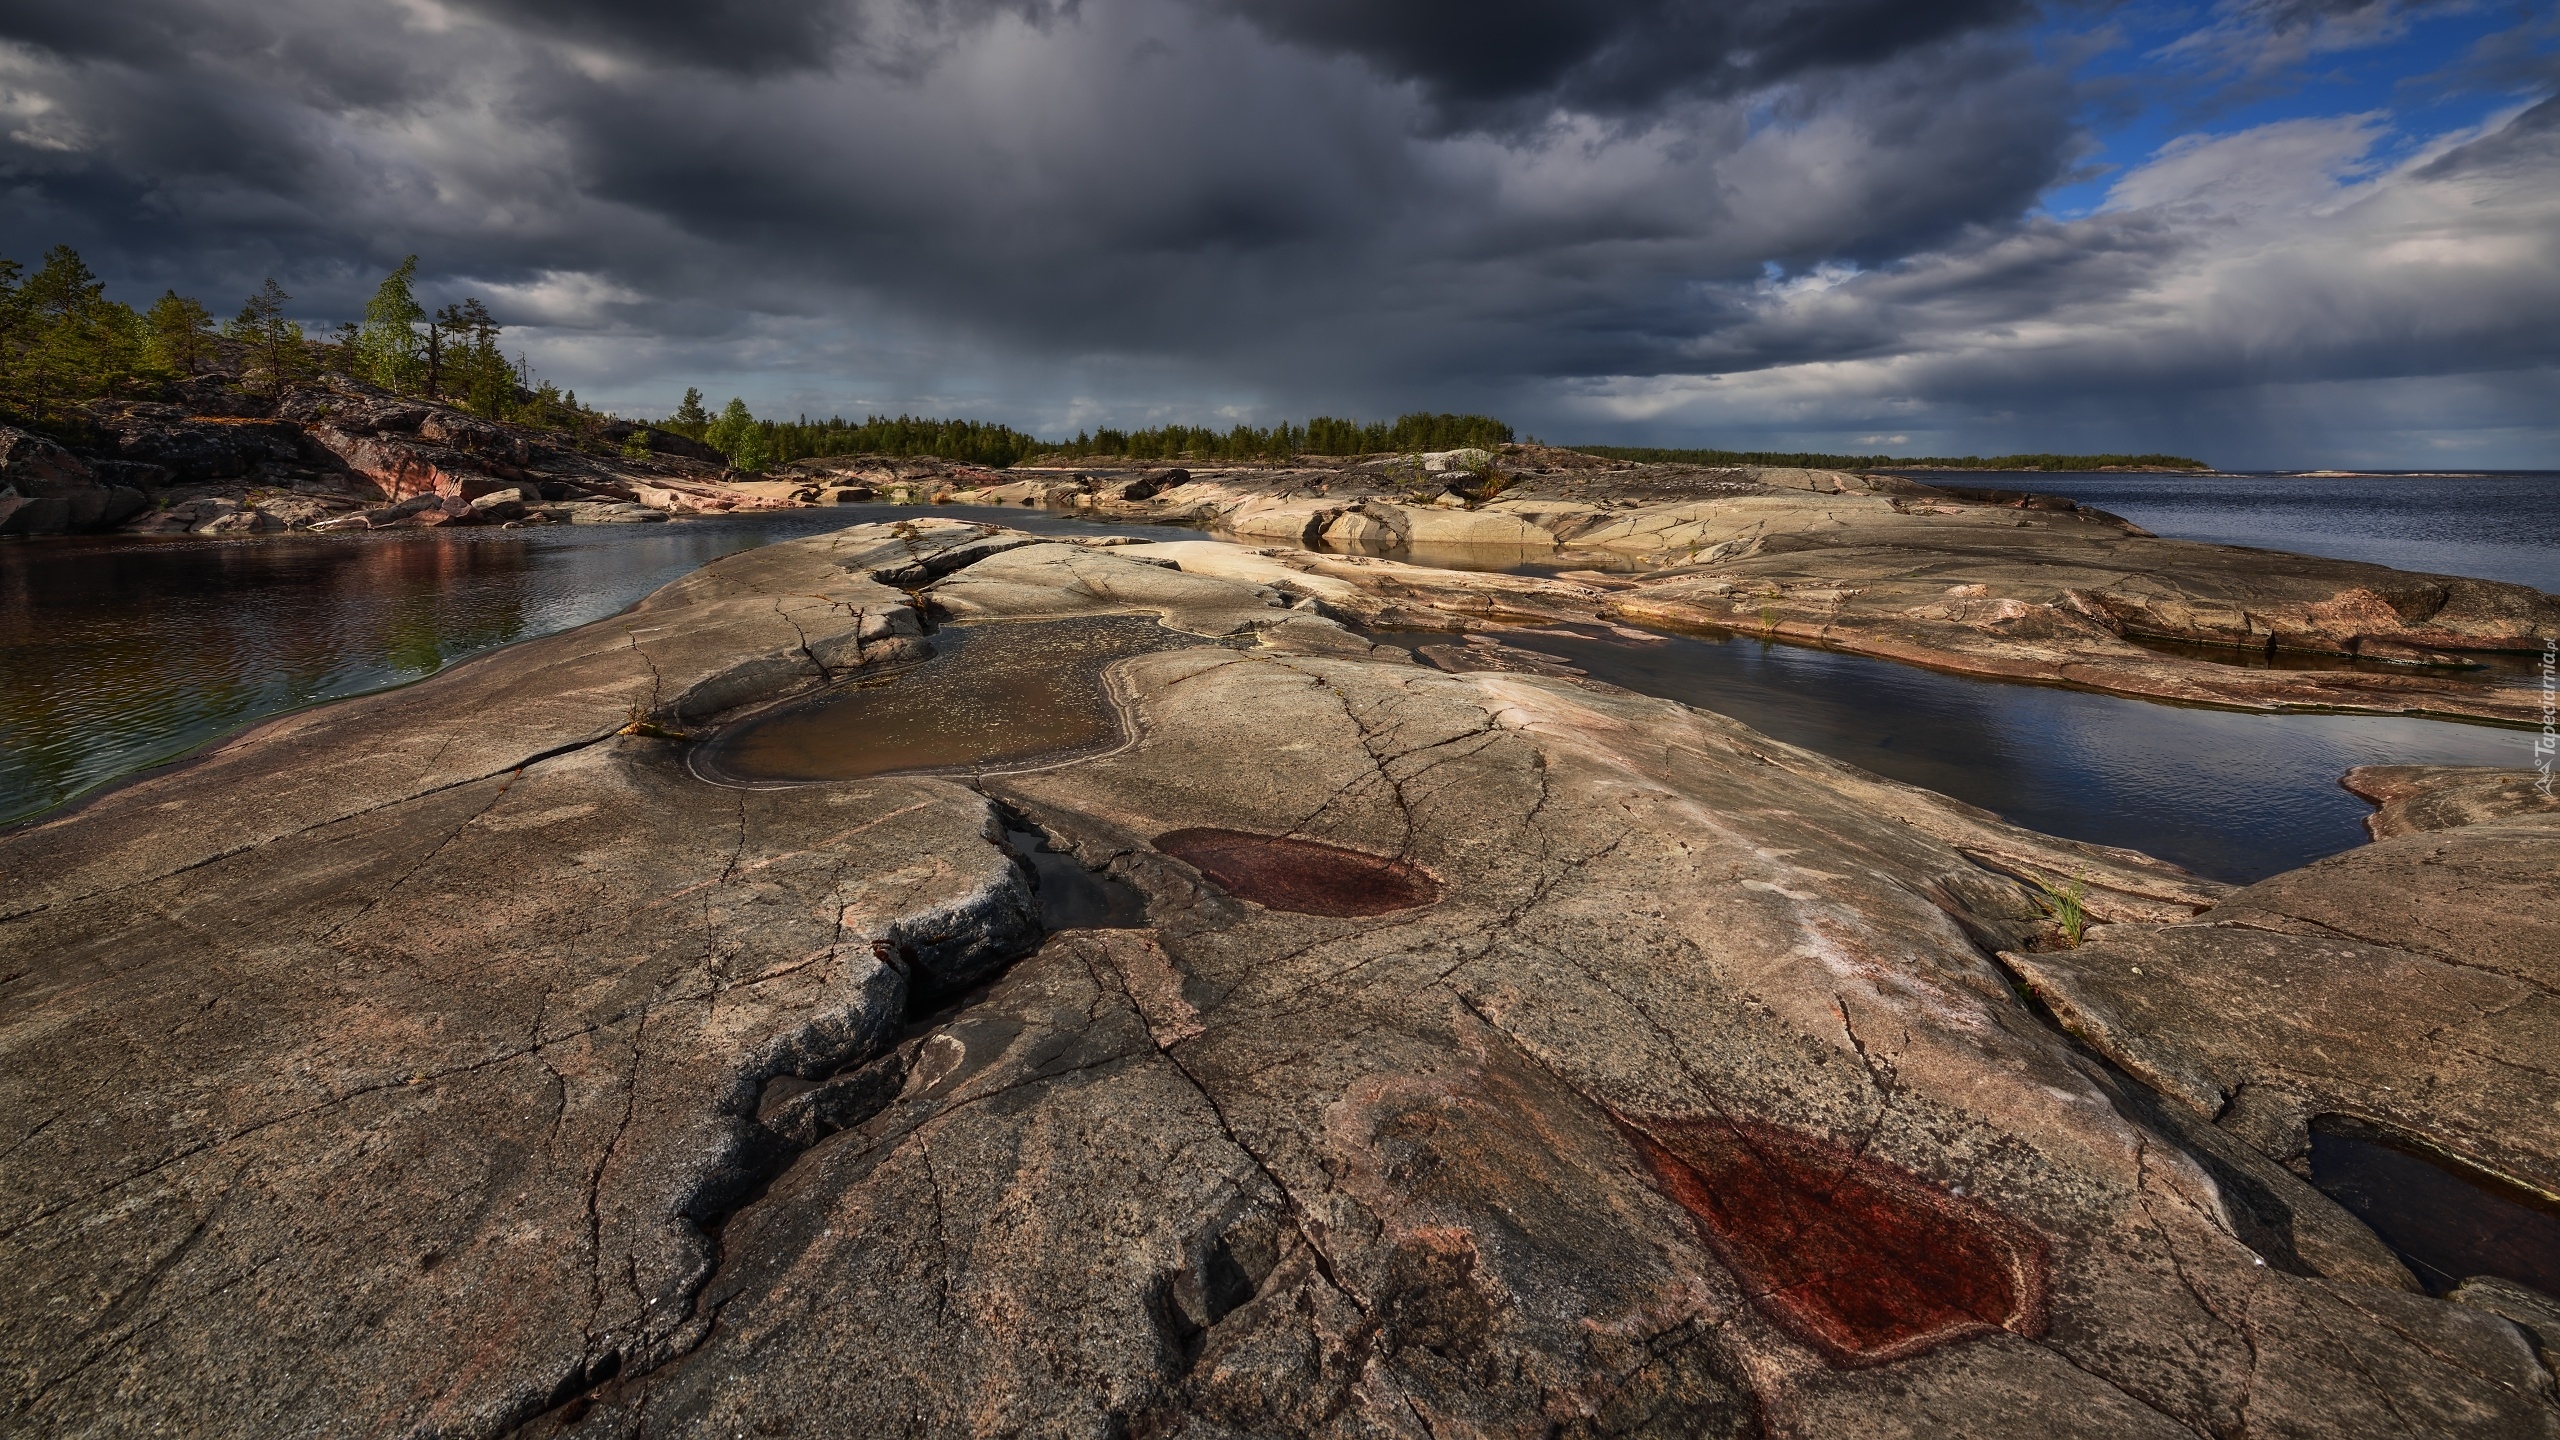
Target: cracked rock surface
x: 384, y: 1070
x: 2411, y: 985
x: 577, y: 1097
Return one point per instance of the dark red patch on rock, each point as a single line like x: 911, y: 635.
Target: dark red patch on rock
x: 1280, y: 873
x: 1865, y: 1262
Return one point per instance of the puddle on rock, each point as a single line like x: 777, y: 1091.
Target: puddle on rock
x: 1072, y: 897
x: 2446, y: 1224
x: 1859, y: 1259
x: 1279, y: 873
x: 994, y: 696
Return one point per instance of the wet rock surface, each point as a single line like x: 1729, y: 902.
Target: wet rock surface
x: 1690, y: 1099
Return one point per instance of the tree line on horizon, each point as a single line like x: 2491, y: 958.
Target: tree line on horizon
x: 754, y: 444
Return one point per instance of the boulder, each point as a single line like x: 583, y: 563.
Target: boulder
x: 34, y: 514
x: 1470, y: 458
x: 241, y: 522
x: 181, y: 517
x: 1298, y: 521
x: 34, y: 466
x: 661, y: 442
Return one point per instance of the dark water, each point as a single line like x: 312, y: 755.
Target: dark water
x: 994, y: 696
x: 2230, y: 795
x: 121, y: 652
x: 2495, y: 527
x: 1072, y: 897
x: 2446, y: 1224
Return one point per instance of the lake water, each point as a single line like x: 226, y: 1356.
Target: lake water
x: 119, y: 653
x: 2497, y: 527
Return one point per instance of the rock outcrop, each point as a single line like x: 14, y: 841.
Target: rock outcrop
x: 333, y: 453
x: 1501, y: 1054
x: 1972, y: 593
x: 47, y: 490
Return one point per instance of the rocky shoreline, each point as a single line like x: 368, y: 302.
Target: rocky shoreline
x: 1997, y: 584
x: 1992, y: 583
x: 454, y: 1061
x: 336, y: 454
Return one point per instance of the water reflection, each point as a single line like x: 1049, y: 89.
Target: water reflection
x: 123, y: 652
x: 2231, y: 795
x: 2446, y: 1224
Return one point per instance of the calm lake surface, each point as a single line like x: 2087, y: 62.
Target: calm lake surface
x: 119, y: 653
x: 2502, y: 526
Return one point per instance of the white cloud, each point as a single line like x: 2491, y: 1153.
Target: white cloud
x: 2280, y: 260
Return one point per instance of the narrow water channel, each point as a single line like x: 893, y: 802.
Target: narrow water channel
x: 2228, y: 794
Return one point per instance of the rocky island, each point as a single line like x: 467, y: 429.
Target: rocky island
x: 1337, y: 1045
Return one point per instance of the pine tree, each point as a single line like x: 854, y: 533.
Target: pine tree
x: 77, y: 343
x: 179, y: 326
x: 275, y: 343
x: 15, y: 320
x: 690, y: 419
x: 386, y: 351
x: 469, y: 361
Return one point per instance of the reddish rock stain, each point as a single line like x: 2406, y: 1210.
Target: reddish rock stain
x: 1863, y: 1261
x: 1303, y: 876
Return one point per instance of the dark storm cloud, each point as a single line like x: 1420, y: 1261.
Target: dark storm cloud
x: 759, y: 37
x: 748, y: 36
x: 1059, y: 213
x: 1517, y: 59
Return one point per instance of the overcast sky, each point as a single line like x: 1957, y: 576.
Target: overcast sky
x: 2265, y: 232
